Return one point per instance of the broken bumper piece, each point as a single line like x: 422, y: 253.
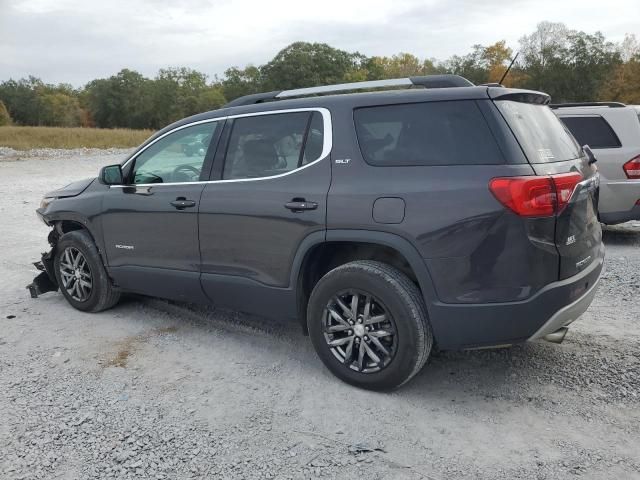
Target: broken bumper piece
x: 46, y: 280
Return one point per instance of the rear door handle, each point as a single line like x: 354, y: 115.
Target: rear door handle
x: 299, y: 205
x: 181, y: 203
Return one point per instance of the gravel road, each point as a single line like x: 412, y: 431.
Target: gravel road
x: 160, y: 390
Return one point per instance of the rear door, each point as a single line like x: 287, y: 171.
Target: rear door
x: 270, y: 194
x: 551, y: 150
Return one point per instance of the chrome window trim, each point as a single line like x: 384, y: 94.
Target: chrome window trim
x: 327, y: 144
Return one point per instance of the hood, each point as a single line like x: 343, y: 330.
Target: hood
x: 71, y: 190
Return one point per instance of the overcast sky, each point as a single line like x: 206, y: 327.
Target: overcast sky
x: 76, y: 41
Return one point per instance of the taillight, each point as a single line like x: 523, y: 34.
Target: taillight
x: 565, y: 184
x: 632, y: 167
x: 535, y: 196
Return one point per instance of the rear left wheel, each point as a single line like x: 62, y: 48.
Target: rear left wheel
x: 369, y: 326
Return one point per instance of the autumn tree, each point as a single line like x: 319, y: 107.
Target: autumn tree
x: 569, y: 65
x: 623, y: 84
x: 498, y: 57
x: 398, y: 66
x: 5, y: 118
x: 485, y: 64
x: 59, y: 109
x: 471, y: 66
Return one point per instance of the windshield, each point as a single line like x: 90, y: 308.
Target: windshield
x: 540, y: 133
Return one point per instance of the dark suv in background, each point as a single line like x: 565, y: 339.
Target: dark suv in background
x: 385, y: 221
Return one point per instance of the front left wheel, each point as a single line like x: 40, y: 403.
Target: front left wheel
x: 81, y: 275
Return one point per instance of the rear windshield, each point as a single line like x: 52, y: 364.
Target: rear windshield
x: 541, y: 135
x: 592, y: 130
x: 430, y: 133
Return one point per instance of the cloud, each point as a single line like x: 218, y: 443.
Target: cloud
x: 75, y: 41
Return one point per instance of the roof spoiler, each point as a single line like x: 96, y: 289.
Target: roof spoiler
x: 428, y: 81
x: 517, y: 95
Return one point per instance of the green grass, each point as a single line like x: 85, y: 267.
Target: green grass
x: 25, y: 138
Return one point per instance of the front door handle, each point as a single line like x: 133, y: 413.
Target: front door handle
x: 181, y: 203
x: 300, y: 204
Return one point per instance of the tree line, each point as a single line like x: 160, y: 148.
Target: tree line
x: 570, y: 65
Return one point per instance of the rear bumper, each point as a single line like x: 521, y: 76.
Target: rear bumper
x: 612, y: 218
x: 568, y: 314
x: 617, y: 201
x: 482, y: 325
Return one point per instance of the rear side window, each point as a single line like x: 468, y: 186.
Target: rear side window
x: 593, y: 131
x: 540, y: 133
x: 430, y: 133
x: 267, y: 145
x: 315, y: 139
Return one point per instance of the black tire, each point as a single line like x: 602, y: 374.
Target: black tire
x: 400, y: 298
x: 103, y: 294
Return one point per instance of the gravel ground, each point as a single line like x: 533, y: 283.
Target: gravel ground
x: 153, y: 389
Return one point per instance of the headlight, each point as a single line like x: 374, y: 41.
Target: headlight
x: 44, y: 203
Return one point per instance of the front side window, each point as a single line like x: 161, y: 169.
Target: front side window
x: 178, y: 157
x: 429, y: 133
x: 593, y: 131
x: 272, y: 144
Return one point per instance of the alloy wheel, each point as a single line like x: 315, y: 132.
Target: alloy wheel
x: 359, y: 331
x: 76, y: 274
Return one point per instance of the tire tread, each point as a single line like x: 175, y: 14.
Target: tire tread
x: 401, y: 285
x: 108, y: 294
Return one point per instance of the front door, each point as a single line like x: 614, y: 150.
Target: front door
x: 150, y: 224
x: 270, y: 196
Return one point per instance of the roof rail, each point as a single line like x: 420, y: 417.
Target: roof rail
x: 428, y: 81
x: 588, y: 104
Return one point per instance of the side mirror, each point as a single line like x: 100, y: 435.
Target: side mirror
x: 111, y: 175
x: 587, y: 150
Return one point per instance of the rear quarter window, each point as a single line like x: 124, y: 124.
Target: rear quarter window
x: 593, y: 131
x: 429, y: 133
x: 542, y: 136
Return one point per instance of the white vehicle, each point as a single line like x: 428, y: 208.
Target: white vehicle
x: 612, y: 130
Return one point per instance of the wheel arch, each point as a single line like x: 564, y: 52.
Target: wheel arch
x: 393, y: 244
x: 65, y: 222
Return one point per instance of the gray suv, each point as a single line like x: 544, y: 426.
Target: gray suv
x: 433, y: 212
x: 612, y: 130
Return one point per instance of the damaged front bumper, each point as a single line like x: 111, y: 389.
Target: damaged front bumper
x: 46, y: 280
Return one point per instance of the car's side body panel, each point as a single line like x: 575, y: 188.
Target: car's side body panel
x: 476, y: 252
